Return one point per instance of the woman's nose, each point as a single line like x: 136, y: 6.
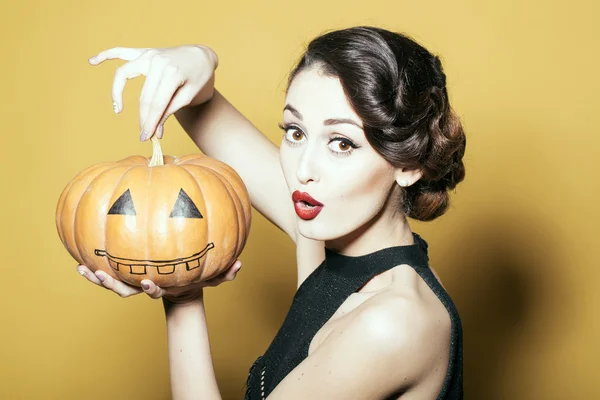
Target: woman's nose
x: 307, y: 166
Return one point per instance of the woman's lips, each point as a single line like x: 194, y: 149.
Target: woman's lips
x: 306, y: 207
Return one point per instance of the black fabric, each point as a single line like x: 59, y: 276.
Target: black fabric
x: 324, y: 291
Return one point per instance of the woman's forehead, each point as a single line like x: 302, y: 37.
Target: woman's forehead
x: 318, y: 96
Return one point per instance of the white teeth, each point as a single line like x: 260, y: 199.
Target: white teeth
x: 162, y: 270
x: 137, y: 269
x: 193, y: 264
x: 304, y: 204
x: 166, y: 270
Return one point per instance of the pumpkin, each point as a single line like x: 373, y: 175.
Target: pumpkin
x: 171, y: 220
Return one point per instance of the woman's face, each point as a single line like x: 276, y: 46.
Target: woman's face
x: 324, y: 153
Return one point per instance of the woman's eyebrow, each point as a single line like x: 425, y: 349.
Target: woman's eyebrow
x: 293, y: 111
x: 330, y: 121
x: 337, y: 121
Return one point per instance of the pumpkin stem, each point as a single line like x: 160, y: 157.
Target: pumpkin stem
x: 157, y: 154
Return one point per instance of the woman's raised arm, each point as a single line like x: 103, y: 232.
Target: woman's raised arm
x: 222, y: 132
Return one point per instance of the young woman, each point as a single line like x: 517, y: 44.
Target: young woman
x: 369, y: 139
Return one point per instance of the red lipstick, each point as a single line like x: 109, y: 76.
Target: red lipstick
x: 306, y: 207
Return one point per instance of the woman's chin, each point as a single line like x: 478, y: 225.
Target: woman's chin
x: 308, y: 229
x: 315, y: 230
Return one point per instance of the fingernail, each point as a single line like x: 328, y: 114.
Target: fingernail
x: 144, y: 136
x: 101, y: 277
x: 115, y: 107
x: 82, y: 273
x: 145, y: 286
x: 159, y: 131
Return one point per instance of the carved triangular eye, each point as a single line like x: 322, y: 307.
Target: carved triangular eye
x: 123, y: 205
x: 185, y: 207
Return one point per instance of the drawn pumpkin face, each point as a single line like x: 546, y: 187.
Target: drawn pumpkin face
x: 177, y: 223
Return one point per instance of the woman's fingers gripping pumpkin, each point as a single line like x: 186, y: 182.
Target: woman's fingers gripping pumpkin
x: 225, y: 276
x: 175, y: 77
x: 121, y: 53
x: 127, y: 71
x: 178, y: 77
x: 191, y: 291
x: 152, y: 290
x: 160, y: 96
x: 117, y: 286
x: 103, y: 279
x: 89, y: 275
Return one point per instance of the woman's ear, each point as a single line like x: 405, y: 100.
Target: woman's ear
x: 406, y: 177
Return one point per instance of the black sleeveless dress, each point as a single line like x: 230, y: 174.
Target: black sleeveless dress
x: 324, y: 291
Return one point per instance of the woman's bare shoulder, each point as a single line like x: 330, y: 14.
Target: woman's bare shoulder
x: 406, y: 307
x: 398, y: 346
x: 409, y: 319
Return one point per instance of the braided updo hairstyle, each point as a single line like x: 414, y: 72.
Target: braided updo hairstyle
x: 398, y: 89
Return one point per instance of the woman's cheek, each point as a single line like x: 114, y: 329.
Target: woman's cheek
x: 368, y: 194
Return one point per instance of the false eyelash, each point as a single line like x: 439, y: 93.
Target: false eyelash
x: 284, y: 127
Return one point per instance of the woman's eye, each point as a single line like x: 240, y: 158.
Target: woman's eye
x: 295, y: 134
x: 340, y: 145
x: 343, y: 145
x: 292, y: 134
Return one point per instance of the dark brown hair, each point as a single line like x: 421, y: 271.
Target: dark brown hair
x: 398, y: 89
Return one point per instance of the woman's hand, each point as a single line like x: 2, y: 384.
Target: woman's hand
x: 182, y: 294
x: 175, y: 77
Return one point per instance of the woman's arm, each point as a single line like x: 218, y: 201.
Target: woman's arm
x: 222, y: 132
x: 387, y: 348
x: 190, y: 361
x: 191, y: 369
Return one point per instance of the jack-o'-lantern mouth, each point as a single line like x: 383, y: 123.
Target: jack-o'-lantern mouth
x: 166, y: 267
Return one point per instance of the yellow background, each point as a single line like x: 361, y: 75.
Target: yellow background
x: 518, y: 250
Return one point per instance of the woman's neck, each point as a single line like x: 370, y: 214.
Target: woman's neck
x: 387, y: 229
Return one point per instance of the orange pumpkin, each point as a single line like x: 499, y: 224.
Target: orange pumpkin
x: 181, y: 222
